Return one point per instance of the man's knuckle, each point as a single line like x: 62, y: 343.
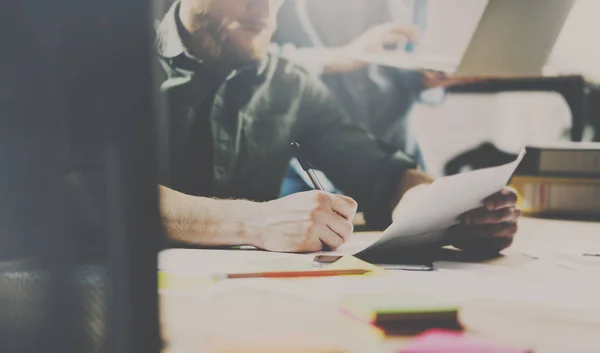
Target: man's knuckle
x: 322, y: 197
x: 315, y: 210
x: 352, y: 202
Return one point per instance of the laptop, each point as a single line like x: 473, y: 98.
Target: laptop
x: 514, y: 38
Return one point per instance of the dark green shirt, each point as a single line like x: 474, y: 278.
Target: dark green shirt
x: 253, y: 117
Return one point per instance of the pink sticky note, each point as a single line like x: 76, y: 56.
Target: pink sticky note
x: 440, y: 341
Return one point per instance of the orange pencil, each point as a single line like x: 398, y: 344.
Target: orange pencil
x: 291, y: 274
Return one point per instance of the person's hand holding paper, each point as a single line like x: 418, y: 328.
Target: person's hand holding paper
x: 490, y: 228
x: 465, y: 211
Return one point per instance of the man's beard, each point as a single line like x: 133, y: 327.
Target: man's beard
x: 219, y: 45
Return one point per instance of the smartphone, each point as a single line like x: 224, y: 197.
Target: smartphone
x: 326, y: 259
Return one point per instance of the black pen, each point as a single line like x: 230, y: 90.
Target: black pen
x: 305, y: 163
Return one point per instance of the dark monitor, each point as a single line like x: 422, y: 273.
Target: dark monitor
x: 79, y: 218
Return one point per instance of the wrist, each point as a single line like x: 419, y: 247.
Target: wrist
x: 245, y: 223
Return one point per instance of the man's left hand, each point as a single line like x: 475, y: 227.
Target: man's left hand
x: 490, y: 228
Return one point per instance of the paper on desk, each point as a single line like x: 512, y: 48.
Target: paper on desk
x: 428, y: 211
x: 201, y: 263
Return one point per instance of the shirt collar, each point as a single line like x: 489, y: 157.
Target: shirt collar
x: 170, y: 45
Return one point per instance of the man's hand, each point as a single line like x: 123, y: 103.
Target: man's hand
x: 490, y: 228
x: 303, y: 222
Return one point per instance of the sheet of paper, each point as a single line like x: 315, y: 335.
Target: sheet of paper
x: 200, y: 263
x: 429, y: 211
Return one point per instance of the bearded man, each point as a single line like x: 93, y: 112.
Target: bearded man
x: 235, y: 109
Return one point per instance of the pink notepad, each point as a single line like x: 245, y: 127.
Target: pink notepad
x: 439, y: 341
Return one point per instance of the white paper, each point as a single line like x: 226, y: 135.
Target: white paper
x: 201, y: 263
x: 428, y: 211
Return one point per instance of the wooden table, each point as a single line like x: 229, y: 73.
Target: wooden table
x: 235, y: 317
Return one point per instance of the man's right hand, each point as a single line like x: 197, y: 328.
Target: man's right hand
x: 303, y: 222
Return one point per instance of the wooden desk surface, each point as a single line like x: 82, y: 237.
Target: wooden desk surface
x: 551, y: 304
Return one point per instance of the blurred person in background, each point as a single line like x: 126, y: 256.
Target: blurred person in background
x: 327, y: 37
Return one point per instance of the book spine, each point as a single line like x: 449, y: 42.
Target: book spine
x: 560, y: 163
x: 569, y: 196
x: 575, y: 162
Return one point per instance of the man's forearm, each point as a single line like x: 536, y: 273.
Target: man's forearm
x: 322, y: 61
x: 204, y: 221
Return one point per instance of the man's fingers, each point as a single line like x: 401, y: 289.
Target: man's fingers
x: 402, y: 31
x: 344, y: 206
x: 484, y: 216
x: 340, y: 226
x: 505, y: 198
x: 392, y: 33
x: 328, y: 237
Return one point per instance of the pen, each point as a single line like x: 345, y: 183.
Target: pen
x: 305, y: 163
x: 292, y: 274
x: 592, y: 254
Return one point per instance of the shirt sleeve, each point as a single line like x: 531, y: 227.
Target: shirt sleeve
x: 360, y: 165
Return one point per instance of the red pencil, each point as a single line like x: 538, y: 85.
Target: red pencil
x: 291, y: 274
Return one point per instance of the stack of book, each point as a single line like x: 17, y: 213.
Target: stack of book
x: 562, y: 179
